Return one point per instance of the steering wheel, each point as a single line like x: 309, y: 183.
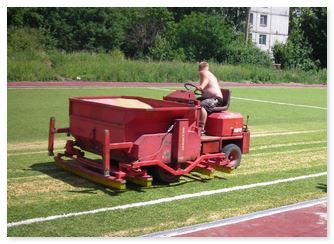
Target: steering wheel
x: 192, y: 87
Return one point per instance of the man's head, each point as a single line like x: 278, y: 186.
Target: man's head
x: 203, y: 65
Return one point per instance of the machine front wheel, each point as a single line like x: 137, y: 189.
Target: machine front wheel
x: 161, y: 175
x: 233, y: 153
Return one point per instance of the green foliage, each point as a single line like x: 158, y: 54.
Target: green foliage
x: 234, y: 16
x: 26, y: 57
x: 24, y: 39
x: 315, y: 31
x: 146, y: 25
x: 203, y: 37
x: 296, y: 53
x: 163, y: 50
x: 117, y: 54
x: 113, y: 67
x: 163, y: 34
x: 27, y: 61
x: 76, y: 28
x: 312, y: 23
x: 237, y: 53
x: 306, y: 47
x: 206, y: 37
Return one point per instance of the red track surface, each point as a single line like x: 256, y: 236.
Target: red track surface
x: 305, y: 222
x: 306, y: 219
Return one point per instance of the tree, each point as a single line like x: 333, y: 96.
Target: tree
x: 296, y: 53
x: 75, y: 28
x: 145, y: 26
x: 235, y: 17
x: 203, y: 37
x: 311, y: 23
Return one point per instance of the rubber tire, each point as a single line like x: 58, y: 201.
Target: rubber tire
x: 233, y: 153
x: 162, y: 176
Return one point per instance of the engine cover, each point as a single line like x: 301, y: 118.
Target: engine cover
x: 224, y: 124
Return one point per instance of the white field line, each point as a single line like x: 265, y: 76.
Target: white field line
x: 162, y: 200
x: 280, y: 103
x: 288, y: 144
x: 313, y: 149
x: 287, y: 133
x: 160, y: 89
x: 255, y: 100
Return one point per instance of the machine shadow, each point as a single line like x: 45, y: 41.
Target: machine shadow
x: 52, y: 170
x: 322, y: 187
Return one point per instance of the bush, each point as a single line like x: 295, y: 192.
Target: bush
x: 164, y: 50
x: 26, y: 57
x: 117, y: 54
x: 24, y: 39
x: 238, y: 53
x: 295, y: 54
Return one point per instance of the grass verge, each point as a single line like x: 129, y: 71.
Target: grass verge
x: 55, y: 65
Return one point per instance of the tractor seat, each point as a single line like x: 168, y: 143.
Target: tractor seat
x: 226, y: 101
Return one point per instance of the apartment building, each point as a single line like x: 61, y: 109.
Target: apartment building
x: 269, y: 25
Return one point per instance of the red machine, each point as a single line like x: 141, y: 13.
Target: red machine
x: 140, y: 139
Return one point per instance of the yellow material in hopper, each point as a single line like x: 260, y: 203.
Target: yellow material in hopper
x: 122, y: 102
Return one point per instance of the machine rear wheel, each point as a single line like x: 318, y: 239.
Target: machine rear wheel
x: 233, y: 153
x: 161, y: 175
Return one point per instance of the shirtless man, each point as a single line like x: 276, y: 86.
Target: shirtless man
x: 211, y: 93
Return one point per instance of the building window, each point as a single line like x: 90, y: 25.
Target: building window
x: 263, y: 20
x: 263, y: 39
x: 251, y: 19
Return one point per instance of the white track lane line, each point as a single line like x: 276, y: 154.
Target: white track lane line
x: 280, y: 103
x: 286, y: 133
x: 162, y: 200
x: 254, y: 148
x: 255, y: 100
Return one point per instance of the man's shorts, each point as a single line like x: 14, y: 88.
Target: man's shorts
x: 210, y: 103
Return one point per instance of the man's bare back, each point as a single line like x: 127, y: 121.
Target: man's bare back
x: 209, y: 84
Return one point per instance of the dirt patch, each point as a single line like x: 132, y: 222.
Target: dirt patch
x: 276, y: 161
x: 16, y: 189
x: 34, y: 145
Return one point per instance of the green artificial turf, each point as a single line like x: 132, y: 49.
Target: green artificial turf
x: 287, y: 141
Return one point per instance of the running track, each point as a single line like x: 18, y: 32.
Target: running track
x: 306, y: 219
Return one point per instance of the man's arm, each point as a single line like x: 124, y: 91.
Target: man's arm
x: 204, y: 80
